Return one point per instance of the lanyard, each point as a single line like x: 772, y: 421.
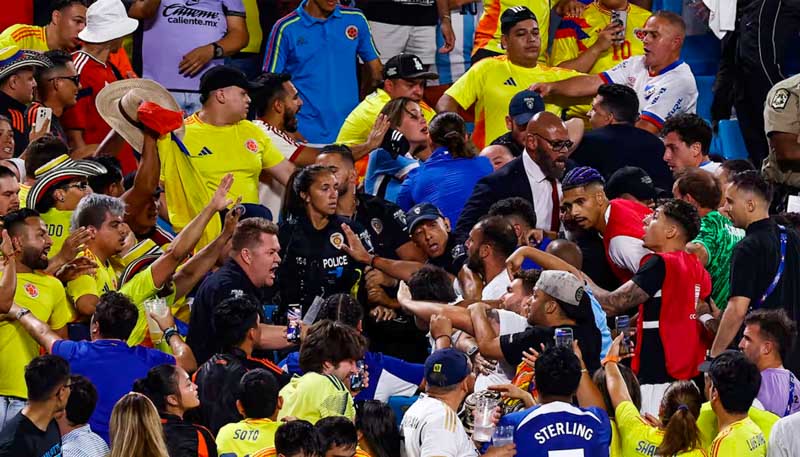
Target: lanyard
x: 791, y: 395
x: 779, y: 273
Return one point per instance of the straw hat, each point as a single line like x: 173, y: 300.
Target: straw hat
x: 59, y: 170
x: 118, y: 102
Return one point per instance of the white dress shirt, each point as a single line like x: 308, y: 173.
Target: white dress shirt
x: 542, y: 192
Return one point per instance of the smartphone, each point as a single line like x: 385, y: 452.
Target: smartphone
x: 563, y: 337
x: 357, y: 379
x: 43, y: 116
x: 293, y: 317
x: 623, y: 327
x: 620, y: 18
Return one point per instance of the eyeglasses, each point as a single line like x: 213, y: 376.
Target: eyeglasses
x: 80, y: 185
x: 557, y: 145
x: 75, y: 79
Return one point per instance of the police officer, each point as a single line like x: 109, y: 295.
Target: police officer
x: 781, y: 114
x: 311, y: 237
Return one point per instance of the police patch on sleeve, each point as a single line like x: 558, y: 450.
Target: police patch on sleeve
x: 779, y: 99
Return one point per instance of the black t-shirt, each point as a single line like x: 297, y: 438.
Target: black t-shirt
x: 453, y: 258
x: 588, y: 337
x: 754, y: 263
x: 21, y: 438
x: 313, y: 264
x: 595, y: 263
x: 227, y: 282
x: 385, y: 222
x: 402, y: 12
x: 653, y: 366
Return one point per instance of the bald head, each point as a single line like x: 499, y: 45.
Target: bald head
x: 498, y: 154
x: 567, y: 251
x: 545, y: 122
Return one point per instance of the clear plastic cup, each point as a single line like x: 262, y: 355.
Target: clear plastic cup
x: 484, y: 424
x: 503, y: 435
x: 157, y: 306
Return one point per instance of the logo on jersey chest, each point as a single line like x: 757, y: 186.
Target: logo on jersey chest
x: 351, y: 32
x: 337, y: 240
x: 31, y: 290
x: 251, y: 145
x: 377, y: 225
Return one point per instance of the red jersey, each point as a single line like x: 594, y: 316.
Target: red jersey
x: 625, y: 220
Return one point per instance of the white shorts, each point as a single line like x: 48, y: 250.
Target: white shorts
x: 391, y: 40
x: 651, y: 397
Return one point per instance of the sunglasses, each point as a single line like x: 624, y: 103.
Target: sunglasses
x: 75, y: 79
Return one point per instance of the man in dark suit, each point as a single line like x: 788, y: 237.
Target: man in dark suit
x: 615, y: 141
x: 533, y: 176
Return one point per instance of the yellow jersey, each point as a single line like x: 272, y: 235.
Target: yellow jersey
x: 616, y: 444
x: 24, y: 190
x: 707, y: 423
x: 488, y: 34
x: 741, y: 439
x: 242, y: 149
x: 244, y: 438
x: 638, y: 438
x: 44, y: 296
x: 25, y: 36
x: 577, y: 34
x: 58, y: 223
x: 103, y: 280
x: 359, y: 122
x: 491, y: 84
x: 253, y: 27
x: 314, y: 396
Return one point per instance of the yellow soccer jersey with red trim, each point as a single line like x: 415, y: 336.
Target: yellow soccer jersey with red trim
x: 741, y: 439
x: 488, y: 34
x: 491, y: 84
x: 25, y: 36
x: 577, y: 34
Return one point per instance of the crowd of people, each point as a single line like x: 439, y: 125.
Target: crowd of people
x: 241, y: 228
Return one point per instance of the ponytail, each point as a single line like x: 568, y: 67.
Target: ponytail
x: 159, y: 383
x: 300, y: 181
x: 450, y: 131
x: 681, y: 410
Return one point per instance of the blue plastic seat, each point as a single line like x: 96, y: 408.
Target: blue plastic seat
x: 729, y: 142
x: 702, y: 54
x: 705, y: 96
x: 400, y: 405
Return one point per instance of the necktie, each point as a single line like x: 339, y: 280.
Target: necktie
x: 555, y: 223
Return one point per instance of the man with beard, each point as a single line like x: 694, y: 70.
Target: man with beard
x: 490, y: 243
x: 41, y: 293
x: 102, y: 216
x: 9, y: 191
x: 533, y: 176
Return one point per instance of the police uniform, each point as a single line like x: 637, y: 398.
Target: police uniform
x: 313, y: 263
x: 385, y: 222
x: 782, y: 114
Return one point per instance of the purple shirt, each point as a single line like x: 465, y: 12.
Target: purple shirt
x: 780, y: 390
x: 178, y: 27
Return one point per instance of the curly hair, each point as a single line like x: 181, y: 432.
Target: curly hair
x: 514, y: 206
x: 684, y: 214
x: 691, y: 129
x: 233, y: 318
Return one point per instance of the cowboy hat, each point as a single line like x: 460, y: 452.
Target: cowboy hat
x: 118, y: 102
x: 107, y: 20
x: 59, y: 170
x: 12, y: 58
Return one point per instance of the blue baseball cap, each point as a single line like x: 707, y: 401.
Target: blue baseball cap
x: 446, y: 367
x: 421, y: 212
x: 524, y: 106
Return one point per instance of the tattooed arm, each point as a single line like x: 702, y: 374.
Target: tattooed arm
x: 625, y: 297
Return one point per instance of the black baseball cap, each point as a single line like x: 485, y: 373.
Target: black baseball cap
x: 223, y: 76
x: 631, y: 180
x: 524, y: 106
x: 406, y: 66
x: 421, y: 212
x: 514, y: 16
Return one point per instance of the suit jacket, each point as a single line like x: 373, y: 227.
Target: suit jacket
x: 509, y: 181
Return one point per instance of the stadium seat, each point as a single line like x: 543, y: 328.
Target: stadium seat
x: 400, y: 405
x: 702, y: 54
x: 705, y: 96
x: 729, y: 142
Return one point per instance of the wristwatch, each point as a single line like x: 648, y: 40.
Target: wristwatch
x: 218, y: 51
x: 472, y: 351
x: 22, y: 312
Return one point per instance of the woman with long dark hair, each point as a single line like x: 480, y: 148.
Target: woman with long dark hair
x: 378, y: 434
x: 448, y: 176
x: 403, y: 146
x: 311, y: 236
x: 676, y: 433
x: 173, y: 393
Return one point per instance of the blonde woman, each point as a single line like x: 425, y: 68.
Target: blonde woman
x: 135, y: 428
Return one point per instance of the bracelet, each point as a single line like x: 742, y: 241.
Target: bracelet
x: 372, y: 261
x: 584, y: 370
x: 442, y: 336
x: 446, y: 17
x: 22, y: 312
x: 610, y: 359
x: 169, y: 333
x: 705, y: 318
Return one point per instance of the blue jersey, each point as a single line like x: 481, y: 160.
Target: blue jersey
x: 560, y: 429
x: 385, y: 174
x: 320, y: 54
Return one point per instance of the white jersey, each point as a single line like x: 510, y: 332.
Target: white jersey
x: 452, y: 65
x: 671, y: 91
x: 271, y: 195
x: 510, y: 323
x: 431, y: 428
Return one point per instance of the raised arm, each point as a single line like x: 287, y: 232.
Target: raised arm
x: 425, y: 310
x: 615, y: 383
x: 625, y: 297
x: 546, y: 260
x: 138, y: 197
x: 38, y: 330
x: 184, y: 357
x: 487, y: 338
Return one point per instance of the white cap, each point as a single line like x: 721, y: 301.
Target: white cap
x: 107, y: 20
x: 562, y: 286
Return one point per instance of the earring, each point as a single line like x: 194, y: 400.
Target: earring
x: 61, y: 199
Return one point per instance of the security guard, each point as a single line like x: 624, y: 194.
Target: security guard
x: 782, y: 126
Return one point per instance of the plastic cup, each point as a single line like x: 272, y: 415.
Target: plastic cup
x: 157, y: 306
x: 503, y: 435
x: 484, y: 423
